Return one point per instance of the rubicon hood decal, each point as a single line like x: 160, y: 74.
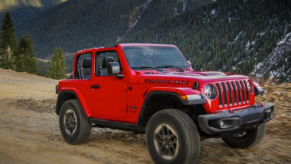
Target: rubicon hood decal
x: 166, y: 81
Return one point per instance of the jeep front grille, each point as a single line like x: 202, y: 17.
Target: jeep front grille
x: 233, y: 93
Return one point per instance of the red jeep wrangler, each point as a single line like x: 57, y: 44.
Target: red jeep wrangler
x: 152, y: 89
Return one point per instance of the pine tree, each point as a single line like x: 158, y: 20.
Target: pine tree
x: 57, y: 66
x: 25, y: 57
x: 62, y: 64
x: 8, y: 43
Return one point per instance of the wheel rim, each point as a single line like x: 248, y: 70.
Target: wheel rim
x: 70, y: 122
x: 166, y: 142
x: 239, y: 135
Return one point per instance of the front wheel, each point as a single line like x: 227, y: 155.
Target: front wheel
x: 246, y: 139
x: 172, y: 138
x: 73, y: 123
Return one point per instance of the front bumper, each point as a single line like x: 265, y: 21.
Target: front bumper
x: 227, y: 122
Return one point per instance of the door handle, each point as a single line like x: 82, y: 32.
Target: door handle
x: 95, y: 86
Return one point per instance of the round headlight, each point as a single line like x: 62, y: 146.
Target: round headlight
x: 249, y: 85
x: 210, y: 91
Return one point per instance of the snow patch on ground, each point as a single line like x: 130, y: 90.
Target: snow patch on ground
x: 248, y: 45
x: 258, y: 66
x: 213, y: 12
x: 282, y: 41
x: 262, y: 33
x: 229, y: 17
x: 237, y: 36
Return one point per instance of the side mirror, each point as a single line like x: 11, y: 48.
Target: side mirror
x: 113, y: 68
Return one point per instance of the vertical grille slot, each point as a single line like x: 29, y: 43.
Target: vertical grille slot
x: 225, y: 94
x: 234, y: 92
x: 243, y: 91
x: 239, y: 92
x: 248, y: 98
x: 219, y: 92
x: 230, y: 93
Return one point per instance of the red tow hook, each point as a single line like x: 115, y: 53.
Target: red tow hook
x: 261, y: 104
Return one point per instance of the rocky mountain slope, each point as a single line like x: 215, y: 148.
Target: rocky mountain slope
x: 23, y: 10
x: 277, y: 65
x: 235, y: 36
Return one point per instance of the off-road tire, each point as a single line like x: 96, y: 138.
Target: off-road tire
x: 83, y: 127
x: 187, y: 137
x: 250, y: 139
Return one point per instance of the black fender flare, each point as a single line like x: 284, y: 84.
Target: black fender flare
x: 202, y: 100
x: 63, y: 97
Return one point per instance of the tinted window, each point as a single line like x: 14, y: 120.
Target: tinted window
x: 154, y: 57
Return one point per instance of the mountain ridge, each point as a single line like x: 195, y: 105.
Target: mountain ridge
x: 23, y: 10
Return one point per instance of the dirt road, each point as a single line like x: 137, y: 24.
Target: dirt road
x: 29, y: 131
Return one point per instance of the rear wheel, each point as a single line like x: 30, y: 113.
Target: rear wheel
x: 73, y: 123
x: 172, y: 138
x: 247, y: 138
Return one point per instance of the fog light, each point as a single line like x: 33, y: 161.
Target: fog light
x: 226, y: 123
x: 221, y: 123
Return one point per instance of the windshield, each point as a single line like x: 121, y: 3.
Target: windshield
x: 154, y: 57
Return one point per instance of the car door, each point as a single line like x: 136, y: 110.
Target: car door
x: 82, y: 79
x: 108, y: 95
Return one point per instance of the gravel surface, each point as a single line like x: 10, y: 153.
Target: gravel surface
x: 29, y: 133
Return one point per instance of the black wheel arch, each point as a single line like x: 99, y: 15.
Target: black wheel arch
x: 144, y: 113
x: 63, y: 97
x: 159, y: 100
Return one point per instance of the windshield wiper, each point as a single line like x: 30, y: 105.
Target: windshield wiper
x: 145, y: 67
x: 171, y: 66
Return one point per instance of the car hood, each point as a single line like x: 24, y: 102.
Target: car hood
x: 192, y: 75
